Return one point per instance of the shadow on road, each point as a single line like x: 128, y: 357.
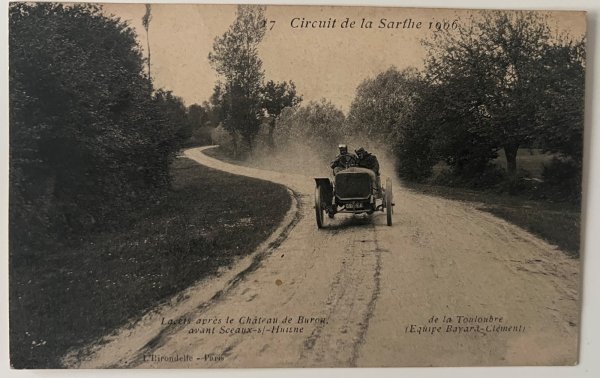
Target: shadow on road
x: 344, y: 222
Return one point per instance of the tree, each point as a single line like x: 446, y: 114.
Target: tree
x: 199, y: 120
x: 389, y: 110
x: 197, y: 116
x: 276, y: 97
x: 492, y: 73
x: 221, y: 102
x: 87, y: 140
x: 212, y: 114
x: 559, y: 121
x: 146, y: 23
x: 559, y: 124
x: 316, y: 124
x: 235, y: 58
x: 384, y: 104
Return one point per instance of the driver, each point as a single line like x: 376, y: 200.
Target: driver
x: 343, y: 160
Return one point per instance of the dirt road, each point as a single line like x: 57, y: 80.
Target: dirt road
x: 446, y: 285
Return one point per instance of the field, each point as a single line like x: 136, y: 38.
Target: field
x: 531, y: 161
x: 69, y: 295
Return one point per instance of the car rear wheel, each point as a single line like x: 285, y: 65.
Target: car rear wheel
x: 389, y: 207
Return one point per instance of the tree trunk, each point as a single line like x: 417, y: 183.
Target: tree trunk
x: 234, y: 142
x: 146, y: 23
x: 510, y: 150
x: 271, y: 139
x: 249, y: 142
x: 148, y: 39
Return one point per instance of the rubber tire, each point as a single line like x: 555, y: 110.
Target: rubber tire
x: 318, y: 207
x: 389, y: 208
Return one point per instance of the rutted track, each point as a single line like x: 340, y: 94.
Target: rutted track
x: 370, y: 282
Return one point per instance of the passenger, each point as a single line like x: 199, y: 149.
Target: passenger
x: 369, y: 161
x: 343, y: 160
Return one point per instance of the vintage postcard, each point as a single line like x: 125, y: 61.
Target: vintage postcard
x: 240, y: 186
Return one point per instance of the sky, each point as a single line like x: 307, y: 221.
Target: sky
x: 324, y: 62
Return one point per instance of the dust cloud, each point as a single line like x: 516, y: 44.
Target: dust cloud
x: 313, y: 159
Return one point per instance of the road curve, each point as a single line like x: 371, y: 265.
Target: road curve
x: 361, y: 291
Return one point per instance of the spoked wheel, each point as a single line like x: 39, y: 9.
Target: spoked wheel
x: 389, y: 208
x: 319, y: 207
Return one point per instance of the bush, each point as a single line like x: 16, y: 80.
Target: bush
x: 200, y: 137
x: 228, y: 141
x: 489, y: 177
x: 316, y: 126
x: 414, y: 156
x: 89, y: 137
x: 562, y: 180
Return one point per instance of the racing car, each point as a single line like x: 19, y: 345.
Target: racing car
x: 353, y: 190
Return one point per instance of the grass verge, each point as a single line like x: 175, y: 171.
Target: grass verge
x: 557, y: 223
x: 220, y: 154
x: 66, y: 296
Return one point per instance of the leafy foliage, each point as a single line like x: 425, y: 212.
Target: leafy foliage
x: 235, y: 58
x: 276, y: 97
x: 146, y: 23
x: 89, y: 138
x: 562, y: 180
x: 319, y: 125
x: 202, y: 120
x: 501, y: 81
x: 385, y: 104
x: 391, y: 109
x: 495, y: 75
x: 559, y: 122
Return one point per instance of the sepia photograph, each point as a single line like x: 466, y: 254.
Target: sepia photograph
x: 278, y: 186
